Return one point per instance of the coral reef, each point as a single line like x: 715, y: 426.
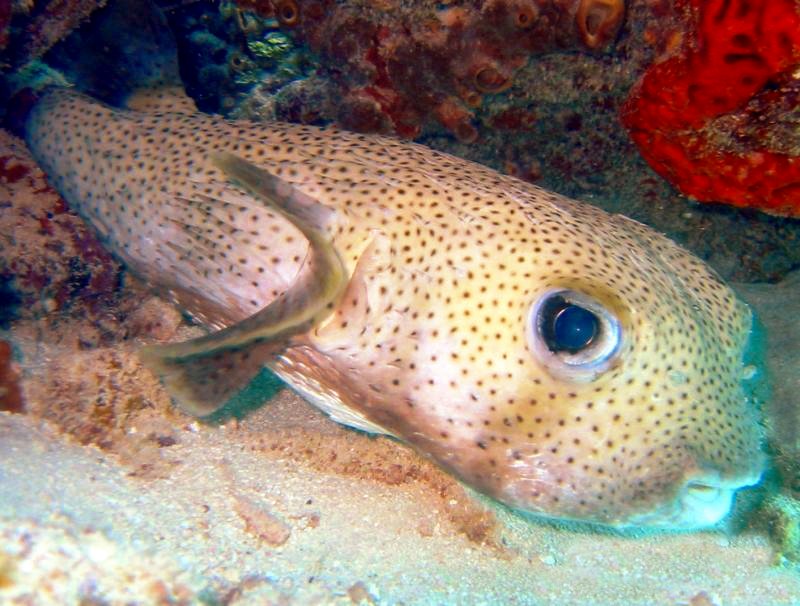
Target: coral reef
x: 40, y: 25
x: 781, y: 516
x: 777, y: 306
x: 8, y: 10
x: 701, y: 117
x: 10, y: 391
x: 49, y: 258
x: 394, y: 65
x: 233, y: 54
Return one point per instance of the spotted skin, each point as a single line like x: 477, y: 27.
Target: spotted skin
x: 429, y: 342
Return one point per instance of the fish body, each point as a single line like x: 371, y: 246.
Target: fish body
x: 461, y: 325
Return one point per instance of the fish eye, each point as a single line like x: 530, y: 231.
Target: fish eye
x: 566, y: 326
x: 573, y: 335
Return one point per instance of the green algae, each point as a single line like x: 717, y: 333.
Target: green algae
x: 781, y: 515
x: 274, y: 46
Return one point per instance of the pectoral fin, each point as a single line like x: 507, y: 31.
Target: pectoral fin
x: 204, y: 373
x: 201, y: 384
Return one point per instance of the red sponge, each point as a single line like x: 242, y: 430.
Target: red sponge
x: 684, y: 112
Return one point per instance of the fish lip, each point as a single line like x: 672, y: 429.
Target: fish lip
x: 699, y: 496
x: 703, y: 501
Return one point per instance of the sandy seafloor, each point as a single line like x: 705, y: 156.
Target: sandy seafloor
x: 74, y: 523
x: 109, y: 496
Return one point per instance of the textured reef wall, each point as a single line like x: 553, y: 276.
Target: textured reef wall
x: 40, y: 24
x: 51, y: 259
x: 399, y: 66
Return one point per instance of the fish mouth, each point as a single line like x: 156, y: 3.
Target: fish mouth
x: 703, y: 501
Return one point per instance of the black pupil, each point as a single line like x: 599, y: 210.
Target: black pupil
x: 568, y: 327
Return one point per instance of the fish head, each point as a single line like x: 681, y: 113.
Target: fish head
x: 570, y: 363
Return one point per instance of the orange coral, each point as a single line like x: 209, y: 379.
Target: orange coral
x: 599, y: 20
x: 489, y: 79
x: 287, y: 12
x: 457, y: 120
x: 10, y: 392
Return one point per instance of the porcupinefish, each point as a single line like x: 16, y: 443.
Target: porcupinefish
x: 568, y: 362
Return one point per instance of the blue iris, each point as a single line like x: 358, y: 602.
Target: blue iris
x: 574, y: 328
x: 568, y: 327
